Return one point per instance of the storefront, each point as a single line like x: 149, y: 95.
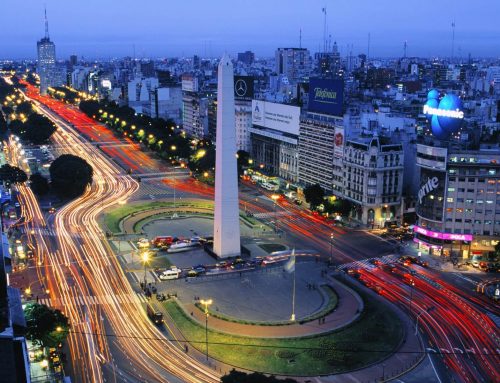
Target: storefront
x: 443, y: 244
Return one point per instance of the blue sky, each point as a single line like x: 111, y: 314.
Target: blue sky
x: 167, y: 28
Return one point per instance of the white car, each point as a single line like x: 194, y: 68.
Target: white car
x: 170, y: 274
x: 143, y: 242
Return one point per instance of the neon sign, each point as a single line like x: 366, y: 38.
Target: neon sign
x: 445, y: 113
x: 445, y: 236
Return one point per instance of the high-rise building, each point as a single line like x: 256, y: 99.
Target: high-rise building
x: 46, y: 50
x: 73, y: 60
x: 295, y: 63
x: 246, y: 57
x: 458, y: 203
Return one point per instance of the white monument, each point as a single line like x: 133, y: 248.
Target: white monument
x: 227, y: 212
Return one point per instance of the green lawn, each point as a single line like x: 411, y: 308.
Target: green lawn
x: 113, y: 217
x: 373, y: 336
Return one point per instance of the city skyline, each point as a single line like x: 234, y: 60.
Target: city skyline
x: 93, y: 30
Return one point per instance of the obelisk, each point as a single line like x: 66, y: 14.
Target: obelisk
x: 226, y: 209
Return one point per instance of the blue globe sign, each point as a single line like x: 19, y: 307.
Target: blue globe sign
x: 445, y: 114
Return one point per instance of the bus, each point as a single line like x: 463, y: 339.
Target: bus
x: 155, y: 315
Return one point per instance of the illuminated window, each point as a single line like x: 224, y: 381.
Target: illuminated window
x: 449, y: 209
x: 459, y: 210
x: 449, y: 199
x: 451, y: 189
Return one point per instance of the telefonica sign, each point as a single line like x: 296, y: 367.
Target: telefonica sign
x: 445, y: 113
x: 326, y: 96
x: 430, y: 185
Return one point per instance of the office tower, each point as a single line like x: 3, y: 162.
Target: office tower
x: 294, y: 63
x: 247, y: 57
x: 46, y: 60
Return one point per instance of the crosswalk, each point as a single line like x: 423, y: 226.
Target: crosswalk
x: 92, y: 300
x: 367, y: 263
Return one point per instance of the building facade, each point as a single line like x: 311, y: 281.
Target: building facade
x: 458, y: 203
x: 373, y: 179
x: 316, y: 150
x: 294, y: 63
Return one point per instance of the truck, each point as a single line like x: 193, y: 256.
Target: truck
x: 162, y: 241
x: 155, y: 315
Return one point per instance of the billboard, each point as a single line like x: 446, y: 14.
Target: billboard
x: 445, y: 113
x: 243, y: 87
x: 430, y: 197
x: 189, y: 83
x: 284, y: 118
x: 326, y: 96
x: 338, y: 144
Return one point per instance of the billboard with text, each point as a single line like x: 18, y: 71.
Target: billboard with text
x: 284, y: 118
x: 326, y: 96
x: 243, y: 87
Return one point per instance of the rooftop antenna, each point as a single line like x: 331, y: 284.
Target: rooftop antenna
x: 46, y: 25
x: 368, y: 54
x: 324, y: 29
x: 300, y: 38
x: 453, y: 40
x: 405, y: 47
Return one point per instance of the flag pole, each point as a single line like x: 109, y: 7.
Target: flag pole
x: 293, y: 291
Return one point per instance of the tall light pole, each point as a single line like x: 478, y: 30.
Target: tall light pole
x: 145, y: 259
x: 206, y: 303
x: 331, y: 249
x: 275, y: 199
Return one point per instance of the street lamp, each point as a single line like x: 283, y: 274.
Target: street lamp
x: 331, y: 248
x: 206, y: 303
x: 145, y: 260
x: 275, y: 199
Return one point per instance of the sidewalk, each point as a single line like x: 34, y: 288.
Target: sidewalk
x: 348, y: 309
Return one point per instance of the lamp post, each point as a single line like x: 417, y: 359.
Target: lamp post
x: 275, y: 199
x: 206, y: 303
x: 145, y: 259
x: 331, y: 249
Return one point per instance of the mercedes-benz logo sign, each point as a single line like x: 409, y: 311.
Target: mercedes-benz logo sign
x: 240, y: 88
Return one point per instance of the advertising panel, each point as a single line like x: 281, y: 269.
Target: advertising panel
x: 284, y: 118
x: 338, y: 145
x: 326, y: 96
x: 445, y: 236
x: 189, y: 83
x: 430, y: 198
x: 243, y: 87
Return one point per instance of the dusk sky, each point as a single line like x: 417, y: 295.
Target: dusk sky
x: 104, y: 28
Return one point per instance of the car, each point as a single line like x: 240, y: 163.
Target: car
x: 52, y: 210
x: 143, y: 242
x: 222, y: 264
x: 192, y: 273
x: 17, y: 204
x: 199, y: 269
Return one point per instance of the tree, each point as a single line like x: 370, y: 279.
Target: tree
x: 45, y: 326
x: 70, y: 175
x: 256, y: 377
x: 38, y: 129
x: 314, y: 195
x: 243, y: 158
x: 12, y: 174
x: 25, y: 108
x: 39, y: 184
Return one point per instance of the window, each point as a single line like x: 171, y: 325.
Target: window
x: 458, y: 220
x: 449, y: 199
x: 461, y: 179
x: 452, y: 179
x: 449, y: 209
x: 461, y: 190
x: 469, y: 200
x: 489, y: 201
x: 468, y: 210
x: 470, y: 190
x: 477, y: 221
x: 460, y: 200
x: 451, y: 189
x: 480, y: 180
x: 468, y: 220
x: 459, y: 210
x: 479, y: 201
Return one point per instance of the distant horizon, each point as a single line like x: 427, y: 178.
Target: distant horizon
x: 103, y: 30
